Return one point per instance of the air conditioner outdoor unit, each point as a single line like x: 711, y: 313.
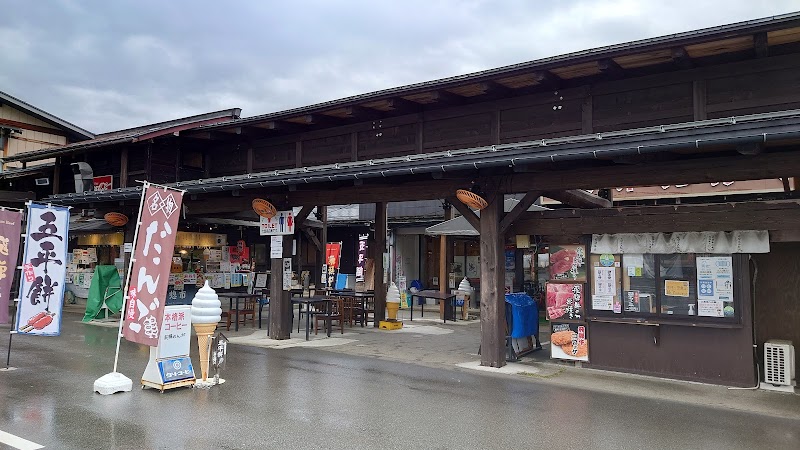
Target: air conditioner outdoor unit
x: 779, y: 366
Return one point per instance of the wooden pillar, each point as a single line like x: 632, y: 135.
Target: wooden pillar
x: 445, y: 258
x: 323, y: 237
x: 57, y: 175
x: 380, y: 249
x: 123, y: 168
x: 280, y: 305
x: 493, y: 327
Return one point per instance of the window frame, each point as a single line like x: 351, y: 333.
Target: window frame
x: 658, y: 316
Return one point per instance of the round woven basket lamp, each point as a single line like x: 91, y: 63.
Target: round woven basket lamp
x: 116, y: 219
x: 471, y: 199
x: 264, y: 208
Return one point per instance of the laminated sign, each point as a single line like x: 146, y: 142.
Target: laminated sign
x: 152, y: 258
x: 41, y: 292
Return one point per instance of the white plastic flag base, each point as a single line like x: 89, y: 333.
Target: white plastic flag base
x: 113, y: 382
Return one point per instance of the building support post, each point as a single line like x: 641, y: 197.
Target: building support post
x: 493, y: 315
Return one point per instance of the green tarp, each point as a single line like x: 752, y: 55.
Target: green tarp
x: 106, y: 288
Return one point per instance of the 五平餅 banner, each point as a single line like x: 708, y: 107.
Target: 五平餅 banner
x: 41, y: 291
x: 10, y: 229
x: 152, y: 257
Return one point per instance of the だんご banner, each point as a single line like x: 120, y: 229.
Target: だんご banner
x: 41, y: 291
x: 152, y: 257
x: 10, y: 228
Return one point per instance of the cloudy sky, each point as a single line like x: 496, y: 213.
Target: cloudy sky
x: 107, y: 65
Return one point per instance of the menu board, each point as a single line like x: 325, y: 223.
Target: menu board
x: 606, y: 276
x: 715, y: 286
x: 567, y: 263
x: 569, y: 341
x: 565, y: 301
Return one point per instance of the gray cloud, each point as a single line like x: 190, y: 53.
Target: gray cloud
x: 111, y: 65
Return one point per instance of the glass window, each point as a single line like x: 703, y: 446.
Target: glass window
x: 639, y: 292
x: 667, y: 286
x: 678, y: 284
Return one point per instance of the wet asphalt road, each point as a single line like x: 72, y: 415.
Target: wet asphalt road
x: 305, y: 398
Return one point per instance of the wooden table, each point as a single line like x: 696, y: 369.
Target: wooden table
x: 308, y: 301
x: 442, y: 296
x: 231, y: 296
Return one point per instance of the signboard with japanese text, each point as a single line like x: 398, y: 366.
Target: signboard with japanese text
x: 103, y: 183
x: 147, y: 288
x: 569, y: 341
x: 176, y: 331
x: 564, y: 301
x: 567, y: 263
x: 282, y: 223
x: 41, y: 290
x: 10, y: 229
x: 362, y: 257
x: 333, y: 252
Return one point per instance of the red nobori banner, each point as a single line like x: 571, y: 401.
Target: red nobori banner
x: 10, y: 229
x: 152, y: 256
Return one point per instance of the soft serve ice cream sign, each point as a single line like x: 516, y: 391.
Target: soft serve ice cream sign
x: 206, y: 313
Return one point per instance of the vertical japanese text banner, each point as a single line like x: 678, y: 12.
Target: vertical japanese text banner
x: 10, y: 229
x: 333, y: 252
x: 362, y: 257
x: 152, y: 254
x: 41, y: 291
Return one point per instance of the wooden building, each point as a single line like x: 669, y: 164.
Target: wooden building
x: 707, y: 106
x: 25, y: 128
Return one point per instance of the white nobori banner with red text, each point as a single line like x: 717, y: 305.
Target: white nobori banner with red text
x: 41, y: 291
x: 152, y: 256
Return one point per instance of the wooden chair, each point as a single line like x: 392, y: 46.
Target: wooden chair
x: 249, y: 308
x: 349, y: 310
x: 336, y: 313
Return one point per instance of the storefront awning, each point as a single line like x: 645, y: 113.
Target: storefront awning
x: 461, y: 227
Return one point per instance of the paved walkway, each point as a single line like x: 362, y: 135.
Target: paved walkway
x: 429, y: 342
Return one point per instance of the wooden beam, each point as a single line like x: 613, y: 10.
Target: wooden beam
x: 579, y: 199
x: 587, y: 110
x: 286, y: 127
x: 699, y: 100
x: 361, y: 113
x: 313, y: 238
x: 786, y: 186
x: 301, y: 216
x: 27, y: 126
x: 493, y: 316
x: 403, y: 106
x: 547, y: 79
x: 755, y: 215
x: 316, y: 119
x: 447, y: 98
x: 610, y: 68
x: 681, y: 58
x: 761, y: 45
x: 468, y: 214
x: 521, y: 207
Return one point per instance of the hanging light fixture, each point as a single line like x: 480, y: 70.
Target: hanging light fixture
x: 264, y: 208
x: 472, y: 197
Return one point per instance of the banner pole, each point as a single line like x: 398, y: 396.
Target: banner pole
x: 17, y: 269
x: 125, y: 298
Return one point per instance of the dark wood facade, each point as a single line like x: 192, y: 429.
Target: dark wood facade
x: 739, y: 70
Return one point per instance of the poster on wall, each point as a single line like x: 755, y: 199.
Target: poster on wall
x: 605, y: 281
x: 473, y: 266
x: 567, y: 263
x: 41, y: 289
x: 569, y: 341
x: 564, y: 301
x: 10, y: 230
x: 155, y: 242
x: 715, y: 286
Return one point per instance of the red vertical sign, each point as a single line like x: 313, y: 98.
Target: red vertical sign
x: 152, y: 257
x: 333, y: 252
x: 10, y: 228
